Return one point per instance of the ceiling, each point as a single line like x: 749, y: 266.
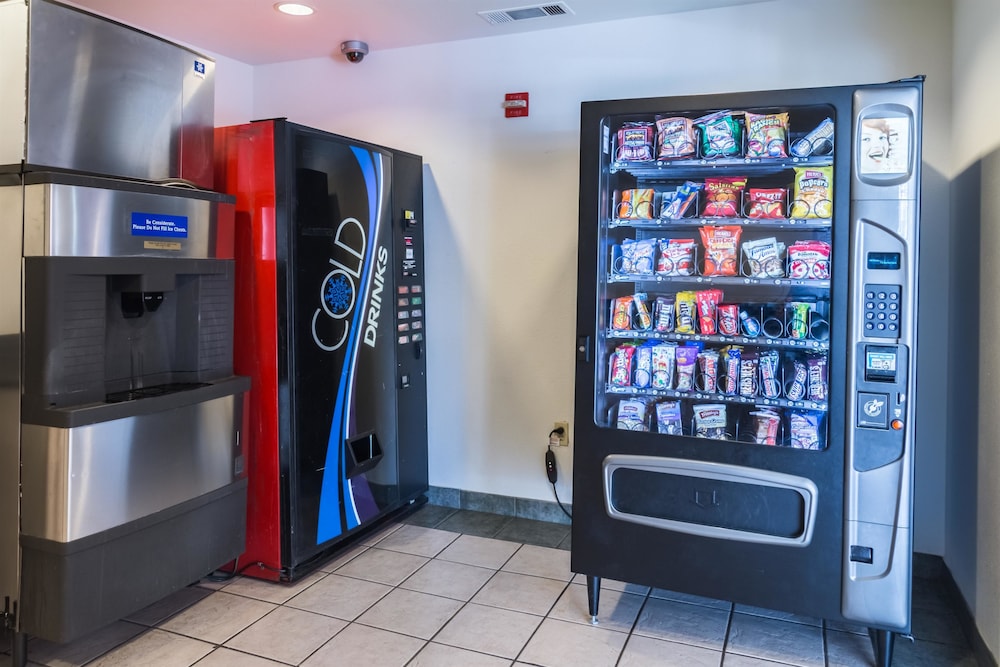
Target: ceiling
x: 253, y: 32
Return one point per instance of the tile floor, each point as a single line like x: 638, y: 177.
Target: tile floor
x: 447, y: 587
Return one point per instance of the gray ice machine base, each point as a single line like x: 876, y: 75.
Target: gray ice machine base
x: 71, y: 589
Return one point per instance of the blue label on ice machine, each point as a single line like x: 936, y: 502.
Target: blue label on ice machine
x: 159, y: 224
x: 199, y: 69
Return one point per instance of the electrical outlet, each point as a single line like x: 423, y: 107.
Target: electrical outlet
x: 563, y: 440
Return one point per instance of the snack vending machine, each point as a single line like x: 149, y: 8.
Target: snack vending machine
x: 330, y: 327
x: 746, y: 343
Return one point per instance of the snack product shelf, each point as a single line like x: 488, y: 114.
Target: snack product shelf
x: 662, y: 169
x: 718, y: 280
x: 815, y: 406
x: 755, y: 223
x: 761, y: 341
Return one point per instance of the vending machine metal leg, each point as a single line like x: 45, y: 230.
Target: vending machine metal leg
x: 593, y: 596
x: 19, y: 649
x: 882, y: 643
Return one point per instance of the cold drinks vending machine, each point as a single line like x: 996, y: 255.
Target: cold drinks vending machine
x: 330, y: 326
x: 747, y: 335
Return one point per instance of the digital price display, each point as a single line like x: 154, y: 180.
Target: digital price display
x: 888, y: 261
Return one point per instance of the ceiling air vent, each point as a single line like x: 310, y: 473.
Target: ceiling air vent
x: 498, y: 16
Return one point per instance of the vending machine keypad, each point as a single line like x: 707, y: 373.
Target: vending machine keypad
x: 882, y: 310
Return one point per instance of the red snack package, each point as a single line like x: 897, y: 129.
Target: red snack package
x: 721, y: 250
x: 708, y: 300
x: 767, y: 203
x: 723, y: 196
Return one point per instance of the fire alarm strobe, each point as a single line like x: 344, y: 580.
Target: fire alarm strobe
x: 515, y: 105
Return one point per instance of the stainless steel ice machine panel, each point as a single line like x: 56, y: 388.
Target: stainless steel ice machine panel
x: 86, y: 94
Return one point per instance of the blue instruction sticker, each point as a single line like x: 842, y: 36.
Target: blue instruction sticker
x: 199, y: 69
x: 159, y: 224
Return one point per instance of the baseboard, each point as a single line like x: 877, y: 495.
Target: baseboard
x: 522, y: 508
x: 965, y: 618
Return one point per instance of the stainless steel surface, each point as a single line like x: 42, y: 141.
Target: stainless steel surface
x: 78, y: 482
x: 77, y: 221
x: 884, y: 217
x: 103, y: 97
x: 715, y: 471
x: 10, y: 391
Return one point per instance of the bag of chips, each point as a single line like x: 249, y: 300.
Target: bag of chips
x: 721, y: 250
x: 722, y: 196
x: 675, y: 138
x: 812, y: 194
x: 766, y: 203
x: 636, y: 204
x: 720, y: 135
x: 635, y: 142
x: 767, y: 134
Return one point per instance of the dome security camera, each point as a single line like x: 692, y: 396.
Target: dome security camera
x: 354, y: 50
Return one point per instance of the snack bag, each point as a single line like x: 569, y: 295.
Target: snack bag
x: 620, y: 372
x: 766, y: 422
x: 796, y: 389
x: 676, y: 257
x: 674, y: 205
x: 805, y: 430
x: 687, y: 361
x: 768, y: 362
x: 767, y: 134
x: 637, y: 256
x: 819, y: 141
x: 664, y: 316
x: 721, y: 250
x: 636, y: 204
x: 812, y: 194
x: 763, y: 258
x: 675, y: 138
x: 635, y: 142
x: 663, y: 356
x: 809, y: 260
x: 720, y: 135
x: 731, y: 369
x: 644, y: 320
x: 708, y: 371
x: 621, y: 313
x: 686, y: 312
x: 632, y: 415
x: 710, y: 421
x: 708, y: 300
x: 668, y: 417
x: 643, y: 365
x: 818, y: 389
x: 766, y: 203
x: 723, y: 196
x: 748, y: 375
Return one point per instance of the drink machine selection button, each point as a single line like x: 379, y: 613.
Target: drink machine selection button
x: 873, y: 410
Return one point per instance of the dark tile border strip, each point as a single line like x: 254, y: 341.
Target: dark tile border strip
x: 522, y: 508
x: 968, y: 622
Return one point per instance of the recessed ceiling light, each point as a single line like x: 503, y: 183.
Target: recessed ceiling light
x: 294, y: 8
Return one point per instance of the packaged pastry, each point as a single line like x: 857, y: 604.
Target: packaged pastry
x: 710, y: 421
x: 687, y: 362
x: 763, y: 258
x: 766, y: 423
x: 632, y: 415
x: 805, y: 430
x: 643, y: 366
x: 663, y: 361
x: 809, y: 260
x: 676, y: 257
x: 638, y: 256
x: 668, y: 417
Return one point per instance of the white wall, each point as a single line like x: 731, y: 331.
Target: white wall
x: 973, y: 544
x: 501, y: 194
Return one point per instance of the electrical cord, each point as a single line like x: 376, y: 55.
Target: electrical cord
x: 550, y: 469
